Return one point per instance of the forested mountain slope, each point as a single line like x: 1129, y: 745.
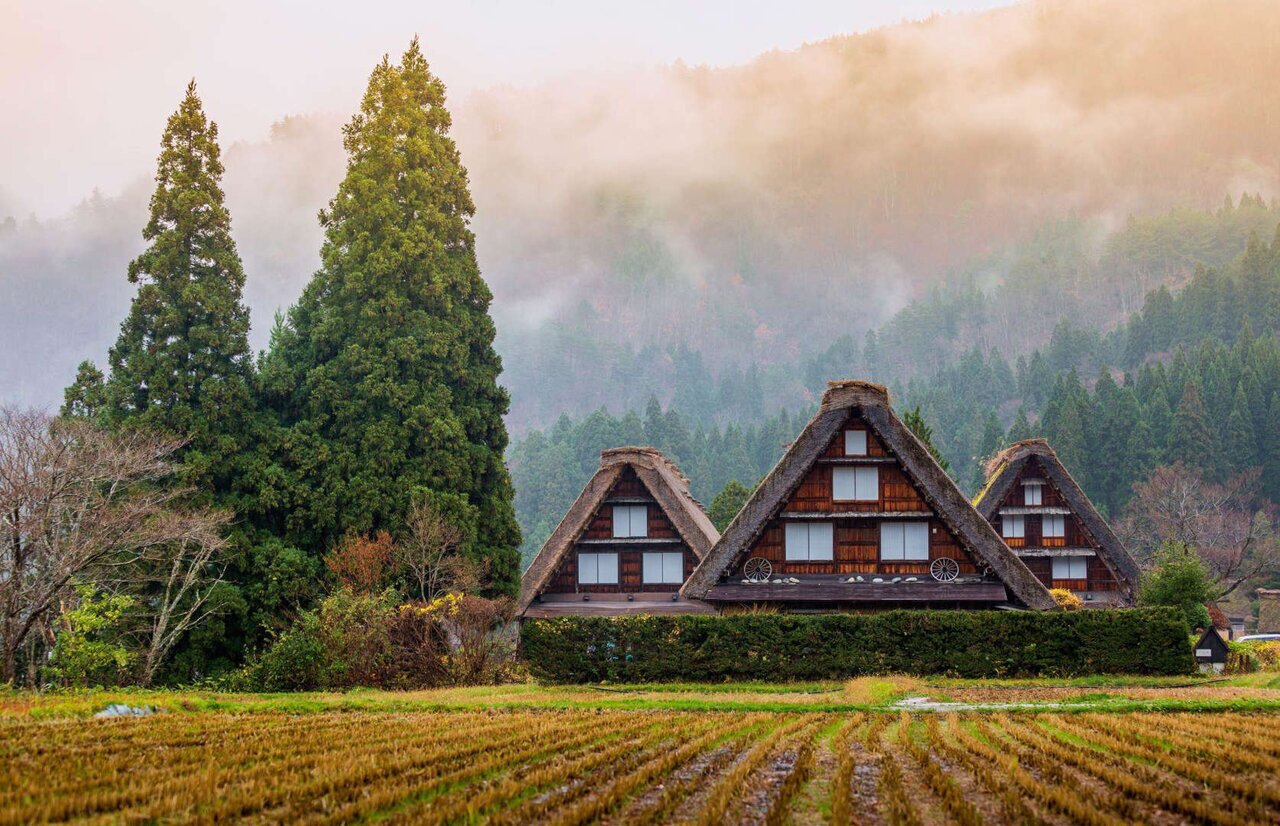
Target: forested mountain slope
x: 1192, y: 376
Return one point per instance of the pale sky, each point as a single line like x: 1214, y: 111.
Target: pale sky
x: 86, y: 85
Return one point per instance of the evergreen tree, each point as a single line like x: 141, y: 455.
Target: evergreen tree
x: 386, y: 372
x: 727, y: 503
x: 1191, y: 440
x: 915, y: 422
x: 1240, y: 449
x: 182, y: 363
x: 992, y: 441
x: 1271, y: 451
x: 1021, y: 428
x: 87, y: 396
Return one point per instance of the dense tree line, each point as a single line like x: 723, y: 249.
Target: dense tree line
x: 378, y: 392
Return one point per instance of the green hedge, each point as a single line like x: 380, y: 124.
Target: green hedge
x: 783, y: 647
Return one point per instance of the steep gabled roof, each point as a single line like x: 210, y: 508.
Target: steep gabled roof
x: 664, y: 482
x: 941, y: 493
x: 1004, y: 469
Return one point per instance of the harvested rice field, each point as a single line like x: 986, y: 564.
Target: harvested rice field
x: 571, y: 766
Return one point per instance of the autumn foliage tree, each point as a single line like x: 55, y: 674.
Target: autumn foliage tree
x: 362, y: 563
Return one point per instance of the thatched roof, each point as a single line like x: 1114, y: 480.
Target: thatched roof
x: 872, y: 403
x: 664, y: 482
x: 1003, y: 471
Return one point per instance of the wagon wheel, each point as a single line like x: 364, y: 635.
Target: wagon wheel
x: 757, y: 569
x: 944, y: 569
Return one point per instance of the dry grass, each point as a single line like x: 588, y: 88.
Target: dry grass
x: 576, y: 766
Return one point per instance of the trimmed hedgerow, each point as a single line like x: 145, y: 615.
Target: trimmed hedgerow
x: 783, y: 647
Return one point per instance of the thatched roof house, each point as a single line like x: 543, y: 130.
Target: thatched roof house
x: 1048, y: 521
x: 626, y: 545
x: 857, y: 513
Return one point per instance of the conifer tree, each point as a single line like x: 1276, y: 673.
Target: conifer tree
x: 386, y: 371
x: 1191, y: 440
x: 915, y: 422
x: 727, y: 503
x: 182, y: 363
x: 1240, y: 450
x: 1271, y: 448
x: 87, y: 396
x: 1021, y: 428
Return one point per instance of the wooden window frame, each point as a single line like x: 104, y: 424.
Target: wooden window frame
x: 664, y: 558
x: 630, y: 512
x: 903, y: 532
x: 857, y: 434
x: 792, y: 529
x: 1070, y: 562
x: 857, y: 471
x: 595, y: 557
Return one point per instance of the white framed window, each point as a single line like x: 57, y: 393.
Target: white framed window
x: 855, y: 443
x: 1013, y: 527
x: 1071, y: 567
x: 810, y: 541
x: 858, y: 484
x: 904, y: 541
x: 1054, y: 525
x: 597, y: 569
x: 630, y: 520
x: 665, y: 568
x: 1033, y: 493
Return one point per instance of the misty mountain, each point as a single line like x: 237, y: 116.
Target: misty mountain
x: 755, y: 215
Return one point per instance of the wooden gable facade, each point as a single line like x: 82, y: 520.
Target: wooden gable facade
x: 857, y: 518
x: 1047, y: 520
x: 627, y: 544
x: 858, y: 514
x: 657, y: 536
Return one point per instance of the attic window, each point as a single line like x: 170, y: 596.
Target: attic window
x: 904, y: 541
x: 1033, y: 493
x: 630, y: 521
x: 1055, y: 525
x: 810, y: 542
x: 1013, y: 527
x: 855, y: 484
x: 855, y: 443
x: 598, y: 569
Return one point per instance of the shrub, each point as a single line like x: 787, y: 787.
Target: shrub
x: 1066, y: 600
x: 367, y: 640
x: 1241, y: 658
x: 294, y: 662
x: 1181, y: 580
x: 783, y: 647
x: 90, y: 645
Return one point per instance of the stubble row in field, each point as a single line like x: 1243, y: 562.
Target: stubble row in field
x: 571, y: 767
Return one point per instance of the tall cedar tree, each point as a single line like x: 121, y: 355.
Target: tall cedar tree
x: 385, y: 370
x: 1191, y: 440
x: 182, y: 362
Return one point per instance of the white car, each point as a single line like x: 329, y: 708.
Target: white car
x: 1260, y: 638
